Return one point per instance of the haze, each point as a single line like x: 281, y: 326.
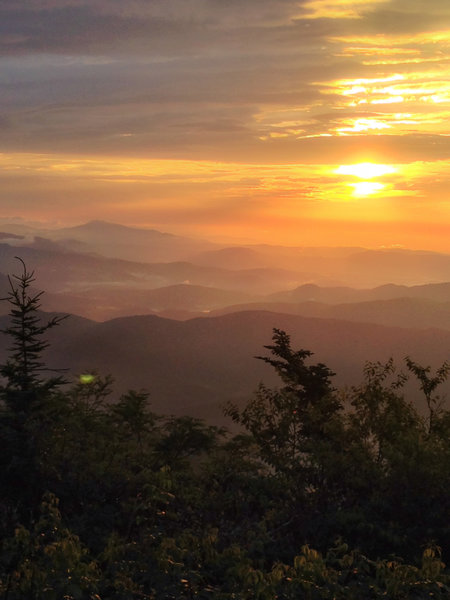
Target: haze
x: 315, y: 122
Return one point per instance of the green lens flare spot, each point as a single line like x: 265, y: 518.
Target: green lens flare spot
x: 87, y: 378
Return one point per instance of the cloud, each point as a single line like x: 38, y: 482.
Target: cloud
x: 169, y: 28
x: 83, y: 29
x: 248, y: 83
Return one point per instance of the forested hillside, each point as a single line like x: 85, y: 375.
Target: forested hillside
x: 323, y: 494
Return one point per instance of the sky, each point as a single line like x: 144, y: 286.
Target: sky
x: 312, y: 122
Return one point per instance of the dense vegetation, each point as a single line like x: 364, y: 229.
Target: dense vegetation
x: 324, y: 494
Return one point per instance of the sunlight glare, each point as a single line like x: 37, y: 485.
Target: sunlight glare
x: 366, y: 188
x: 365, y: 170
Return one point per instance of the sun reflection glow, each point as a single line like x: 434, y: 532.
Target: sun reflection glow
x: 365, y: 170
x: 366, y: 188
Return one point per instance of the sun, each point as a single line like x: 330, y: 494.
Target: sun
x: 365, y: 170
x: 366, y: 188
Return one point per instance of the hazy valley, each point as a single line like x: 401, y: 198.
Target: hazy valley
x: 184, y: 318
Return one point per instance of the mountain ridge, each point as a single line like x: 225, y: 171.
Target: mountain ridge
x: 195, y: 366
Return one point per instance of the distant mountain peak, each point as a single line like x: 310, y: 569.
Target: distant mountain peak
x: 99, y: 226
x: 4, y: 235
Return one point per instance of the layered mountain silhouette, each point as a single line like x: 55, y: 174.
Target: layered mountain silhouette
x: 345, y: 266
x: 355, y: 267
x: 78, y: 278
x: 64, y: 270
x: 185, y: 318
x: 402, y: 312
x: 118, y: 241
x: 194, y: 367
x: 336, y: 295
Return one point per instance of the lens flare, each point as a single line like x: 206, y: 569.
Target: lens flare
x: 87, y: 378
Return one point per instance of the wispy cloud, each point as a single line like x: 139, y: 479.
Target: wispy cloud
x: 275, y: 93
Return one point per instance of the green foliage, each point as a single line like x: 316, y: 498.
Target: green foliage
x: 322, y: 495
x: 373, y: 474
x: 286, y: 423
x: 185, y: 437
x: 309, y: 383
x: 429, y: 385
x: 26, y: 401
x: 47, y: 562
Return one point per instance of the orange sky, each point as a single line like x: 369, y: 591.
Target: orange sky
x: 322, y: 122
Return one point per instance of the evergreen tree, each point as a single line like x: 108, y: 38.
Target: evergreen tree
x: 25, y: 402
x: 24, y: 368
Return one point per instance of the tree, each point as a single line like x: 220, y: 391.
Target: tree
x: 428, y: 385
x: 46, y: 561
x: 25, y: 401
x: 110, y: 500
x: 299, y: 431
x: 24, y: 367
x: 288, y: 422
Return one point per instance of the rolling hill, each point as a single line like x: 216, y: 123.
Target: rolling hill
x: 398, y: 312
x: 116, y: 241
x: 337, y: 295
x: 62, y: 270
x: 193, y: 367
x: 180, y: 300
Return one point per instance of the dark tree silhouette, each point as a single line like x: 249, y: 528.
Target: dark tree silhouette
x: 26, y: 399
x: 429, y: 384
x: 24, y: 367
